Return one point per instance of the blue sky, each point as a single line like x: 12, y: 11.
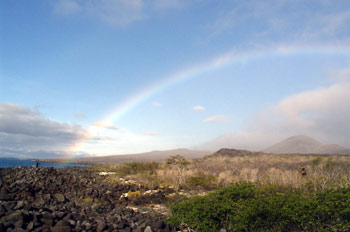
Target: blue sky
x: 99, y: 77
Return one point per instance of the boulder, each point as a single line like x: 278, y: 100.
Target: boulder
x: 2, y: 227
x: 62, y: 223
x: 19, y: 205
x: 30, y: 226
x: 100, y: 226
x: 60, y: 197
x: 61, y: 229
x: 13, y: 217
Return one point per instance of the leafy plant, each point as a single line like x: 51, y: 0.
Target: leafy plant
x: 132, y: 168
x: 202, y: 181
x: 250, y: 207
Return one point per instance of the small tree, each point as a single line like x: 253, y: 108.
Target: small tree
x: 179, y: 163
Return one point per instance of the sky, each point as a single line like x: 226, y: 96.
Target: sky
x: 107, y: 77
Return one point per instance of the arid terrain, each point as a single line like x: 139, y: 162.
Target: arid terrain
x: 169, y: 194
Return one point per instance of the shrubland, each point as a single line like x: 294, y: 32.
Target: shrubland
x: 250, y: 207
x: 244, y: 191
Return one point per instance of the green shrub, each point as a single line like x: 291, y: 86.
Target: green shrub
x: 174, y: 198
x: 330, y: 164
x: 248, y: 207
x: 148, y: 180
x: 132, y: 168
x: 202, y: 181
x: 316, y: 162
x: 134, y: 195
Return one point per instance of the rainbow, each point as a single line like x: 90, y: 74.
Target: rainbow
x: 195, y: 71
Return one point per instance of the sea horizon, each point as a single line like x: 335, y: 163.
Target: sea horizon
x: 6, y: 162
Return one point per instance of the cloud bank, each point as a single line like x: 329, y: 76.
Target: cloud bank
x: 24, y: 131
x: 323, y: 113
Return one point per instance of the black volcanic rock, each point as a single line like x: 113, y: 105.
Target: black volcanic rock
x: 70, y: 199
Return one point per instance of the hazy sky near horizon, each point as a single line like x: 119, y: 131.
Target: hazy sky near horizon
x: 99, y: 77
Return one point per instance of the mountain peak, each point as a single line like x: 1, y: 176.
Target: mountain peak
x: 305, y: 145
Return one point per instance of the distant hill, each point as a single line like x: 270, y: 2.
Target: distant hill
x: 147, y: 156
x: 233, y: 153
x: 305, y: 145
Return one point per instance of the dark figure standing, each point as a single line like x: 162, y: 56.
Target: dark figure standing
x: 37, y: 164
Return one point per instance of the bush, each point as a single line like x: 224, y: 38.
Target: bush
x: 132, y: 168
x: 248, y: 207
x: 88, y: 200
x: 113, y: 180
x: 202, y: 181
x: 134, y: 195
x: 316, y: 162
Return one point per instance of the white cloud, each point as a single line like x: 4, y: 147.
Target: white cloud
x: 151, y: 133
x: 106, y: 125
x: 278, y: 20
x: 156, y: 104
x: 216, y: 118
x: 322, y: 113
x: 168, y: 4
x: 80, y: 115
x: 67, y: 7
x: 115, y: 12
x: 198, y: 108
x: 335, y: 22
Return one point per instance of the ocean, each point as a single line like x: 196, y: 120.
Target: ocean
x: 9, y: 162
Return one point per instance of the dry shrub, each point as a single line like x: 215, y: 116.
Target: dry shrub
x: 225, y: 178
x: 283, y: 170
x: 329, y: 173
x: 148, y: 180
x: 321, y: 172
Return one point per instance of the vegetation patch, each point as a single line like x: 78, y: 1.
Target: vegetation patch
x: 113, y: 180
x: 88, y: 200
x: 202, y: 181
x: 250, y: 207
x: 133, y: 168
x: 134, y: 195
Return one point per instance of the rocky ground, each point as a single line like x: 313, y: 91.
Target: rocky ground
x: 75, y: 199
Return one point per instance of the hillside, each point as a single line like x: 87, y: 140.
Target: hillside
x: 147, y: 156
x: 305, y: 145
x: 233, y: 153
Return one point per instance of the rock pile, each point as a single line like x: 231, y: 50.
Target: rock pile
x: 72, y: 199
